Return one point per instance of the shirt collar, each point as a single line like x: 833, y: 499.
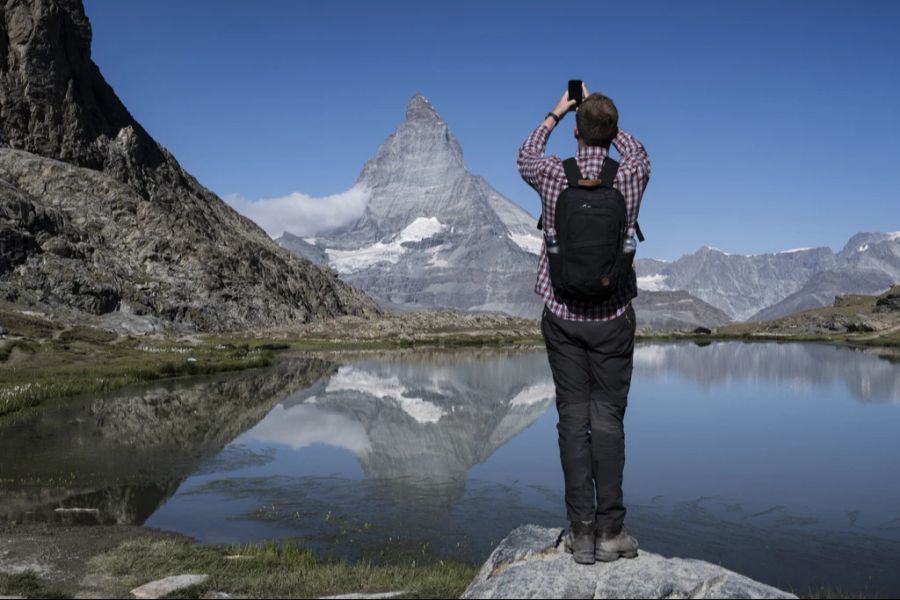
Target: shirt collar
x: 585, y: 151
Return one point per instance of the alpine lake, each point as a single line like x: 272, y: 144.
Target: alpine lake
x: 780, y: 461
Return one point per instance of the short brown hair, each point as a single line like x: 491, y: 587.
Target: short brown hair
x: 597, y: 120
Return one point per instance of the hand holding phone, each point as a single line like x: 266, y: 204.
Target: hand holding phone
x: 576, y: 91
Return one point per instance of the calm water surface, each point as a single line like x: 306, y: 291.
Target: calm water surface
x: 780, y: 461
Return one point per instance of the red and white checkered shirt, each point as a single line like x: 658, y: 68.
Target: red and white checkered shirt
x: 547, y: 176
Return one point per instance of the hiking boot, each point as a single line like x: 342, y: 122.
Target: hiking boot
x: 579, y: 542
x: 609, y: 548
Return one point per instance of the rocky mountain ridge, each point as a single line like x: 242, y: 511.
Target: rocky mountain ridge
x: 769, y: 286
x: 99, y: 220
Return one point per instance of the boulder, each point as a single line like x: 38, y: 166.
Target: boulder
x: 169, y: 585
x: 530, y: 563
x: 889, y: 302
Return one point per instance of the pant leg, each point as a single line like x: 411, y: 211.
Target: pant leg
x: 571, y: 376
x: 611, y: 361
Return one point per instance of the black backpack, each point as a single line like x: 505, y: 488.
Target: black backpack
x: 591, y: 225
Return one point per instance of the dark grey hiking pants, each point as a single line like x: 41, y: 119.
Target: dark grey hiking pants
x: 591, y: 364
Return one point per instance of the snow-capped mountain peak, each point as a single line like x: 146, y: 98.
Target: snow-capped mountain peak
x: 432, y: 233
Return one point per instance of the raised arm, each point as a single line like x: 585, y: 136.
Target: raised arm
x: 532, y: 161
x: 634, y: 173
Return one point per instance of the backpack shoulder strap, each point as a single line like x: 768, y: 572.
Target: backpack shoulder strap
x: 573, y: 173
x: 608, y: 171
x: 608, y: 177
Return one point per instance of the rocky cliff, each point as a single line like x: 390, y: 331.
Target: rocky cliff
x: 97, y: 218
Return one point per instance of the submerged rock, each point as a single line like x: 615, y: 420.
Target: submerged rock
x: 530, y: 563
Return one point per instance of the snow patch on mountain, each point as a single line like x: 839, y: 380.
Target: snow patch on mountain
x: 349, y: 261
x: 534, y: 394
x: 648, y: 356
x: 528, y: 242
x: 353, y: 379
x: 653, y: 283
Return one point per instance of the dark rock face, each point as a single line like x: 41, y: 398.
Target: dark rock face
x: 57, y: 104
x: 679, y: 310
x: 889, y: 302
x: 822, y: 288
x: 303, y: 249
x: 96, y: 217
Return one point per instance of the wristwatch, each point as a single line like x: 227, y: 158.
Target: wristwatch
x: 553, y: 114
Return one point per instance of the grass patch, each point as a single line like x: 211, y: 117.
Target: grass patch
x: 6, y: 349
x: 61, y: 370
x: 27, y: 584
x: 425, y: 341
x: 80, y: 333
x: 25, y: 325
x: 276, y: 570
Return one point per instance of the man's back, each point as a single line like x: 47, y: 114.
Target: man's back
x: 590, y: 344
x: 547, y: 176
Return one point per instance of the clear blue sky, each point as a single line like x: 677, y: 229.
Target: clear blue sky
x: 770, y: 125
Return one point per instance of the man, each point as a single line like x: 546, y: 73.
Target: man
x: 590, y: 345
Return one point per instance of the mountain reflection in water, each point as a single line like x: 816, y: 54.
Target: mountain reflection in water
x: 756, y: 456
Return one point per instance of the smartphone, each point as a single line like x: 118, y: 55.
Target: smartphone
x: 575, y: 91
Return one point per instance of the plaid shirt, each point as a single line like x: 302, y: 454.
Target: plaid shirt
x: 547, y: 176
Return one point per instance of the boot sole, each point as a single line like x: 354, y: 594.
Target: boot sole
x: 614, y: 556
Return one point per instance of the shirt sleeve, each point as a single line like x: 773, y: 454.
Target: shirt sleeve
x: 532, y: 162
x: 633, y: 175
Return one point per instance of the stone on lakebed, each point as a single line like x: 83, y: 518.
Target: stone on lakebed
x: 168, y: 585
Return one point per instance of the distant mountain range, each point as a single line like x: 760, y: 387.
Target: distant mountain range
x: 768, y: 286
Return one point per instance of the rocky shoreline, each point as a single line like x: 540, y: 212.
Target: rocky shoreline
x: 121, y: 561
x: 42, y: 560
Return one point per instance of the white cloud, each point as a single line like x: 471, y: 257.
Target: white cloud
x: 301, y: 214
